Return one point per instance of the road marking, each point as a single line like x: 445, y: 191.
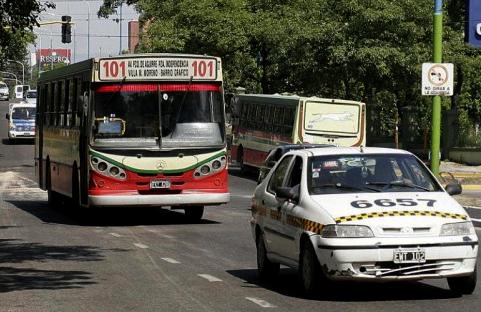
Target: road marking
x: 141, y: 245
x: 261, y: 302
x: 170, y: 260
x: 210, y: 278
x: 115, y: 234
x: 472, y: 207
x: 167, y: 236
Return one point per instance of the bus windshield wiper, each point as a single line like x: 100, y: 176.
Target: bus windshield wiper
x: 181, y: 106
x: 401, y: 183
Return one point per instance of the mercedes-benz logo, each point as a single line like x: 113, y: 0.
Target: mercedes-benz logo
x: 161, y: 165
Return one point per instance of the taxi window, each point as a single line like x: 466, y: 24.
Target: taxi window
x: 279, y: 174
x: 295, y: 175
x: 368, y: 173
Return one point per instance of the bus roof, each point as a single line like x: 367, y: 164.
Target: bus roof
x: 87, y: 65
x: 273, y: 98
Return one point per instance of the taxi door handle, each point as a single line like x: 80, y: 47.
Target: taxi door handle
x: 263, y: 202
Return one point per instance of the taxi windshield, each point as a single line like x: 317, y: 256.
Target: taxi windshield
x: 368, y: 173
x: 27, y: 113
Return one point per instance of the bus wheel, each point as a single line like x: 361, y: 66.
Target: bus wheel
x: 240, y: 159
x: 194, y: 213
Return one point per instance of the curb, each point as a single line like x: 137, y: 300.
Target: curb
x: 471, y: 187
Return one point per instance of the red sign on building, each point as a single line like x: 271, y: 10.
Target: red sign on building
x: 52, y: 56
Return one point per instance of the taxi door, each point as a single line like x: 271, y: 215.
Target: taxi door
x: 291, y: 212
x: 273, y: 227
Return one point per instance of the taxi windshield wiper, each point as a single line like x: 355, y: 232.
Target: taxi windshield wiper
x: 347, y: 187
x: 401, y: 183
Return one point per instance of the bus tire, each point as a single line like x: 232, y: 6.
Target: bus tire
x: 194, y: 213
x: 75, y: 200
x: 53, y: 198
x: 240, y: 159
x: 266, y: 270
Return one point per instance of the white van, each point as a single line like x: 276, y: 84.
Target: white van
x: 21, y: 121
x: 20, y: 90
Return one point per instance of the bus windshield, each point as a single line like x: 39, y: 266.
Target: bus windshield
x: 164, y: 115
x: 26, y: 113
x: 329, y: 117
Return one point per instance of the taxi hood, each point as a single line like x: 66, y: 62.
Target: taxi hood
x: 391, y: 208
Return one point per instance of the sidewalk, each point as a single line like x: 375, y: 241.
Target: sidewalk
x: 468, y: 176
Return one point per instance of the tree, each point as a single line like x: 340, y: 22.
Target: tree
x: 17, y: 19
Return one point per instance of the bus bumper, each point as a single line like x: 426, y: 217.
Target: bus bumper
x: 159, y: 200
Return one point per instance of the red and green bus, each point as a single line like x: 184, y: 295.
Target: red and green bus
x: 134, y: 130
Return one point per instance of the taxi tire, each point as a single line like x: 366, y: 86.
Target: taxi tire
x: 463, y: 285
x: 309, y: 270
x: 266, y: 270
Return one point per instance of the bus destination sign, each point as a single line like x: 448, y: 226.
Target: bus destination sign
x: 158, y: 69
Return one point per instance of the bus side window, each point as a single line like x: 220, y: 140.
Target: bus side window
x: 58, y: 103
x: 51, y: 106
x: 65, y: 100
x: 73, y: 102
x: 79, y: 107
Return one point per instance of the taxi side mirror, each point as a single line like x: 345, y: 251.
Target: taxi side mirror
x: 271, y: 163
x: 288, y: 193
x: 454, y: 189
x: 7, y: 116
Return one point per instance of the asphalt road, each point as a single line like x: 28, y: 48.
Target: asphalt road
x: 154, y: 260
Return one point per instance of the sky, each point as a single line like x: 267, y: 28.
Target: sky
x: 104, y: 33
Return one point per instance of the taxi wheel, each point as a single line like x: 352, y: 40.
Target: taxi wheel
x: 194, y: 213
x: 310, y: 270
x: 463, y: 285
x: 265, y: 268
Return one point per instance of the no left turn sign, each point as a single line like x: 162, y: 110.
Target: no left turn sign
x: 437, y: 79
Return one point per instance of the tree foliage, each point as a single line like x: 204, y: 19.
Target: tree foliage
x: 17, y: 19
x: 369, y: 50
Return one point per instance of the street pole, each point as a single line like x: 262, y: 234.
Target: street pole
x: 120, y: 22
x: 23, y: 69
x: 436, y: 114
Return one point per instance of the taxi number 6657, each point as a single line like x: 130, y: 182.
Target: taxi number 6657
x: 392, y: 202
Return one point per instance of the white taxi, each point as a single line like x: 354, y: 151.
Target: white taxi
x: 361, y: 214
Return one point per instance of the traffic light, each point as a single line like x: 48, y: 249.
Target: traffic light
x: 66, y: 29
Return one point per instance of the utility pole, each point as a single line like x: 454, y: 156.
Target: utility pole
x: 436, y: 114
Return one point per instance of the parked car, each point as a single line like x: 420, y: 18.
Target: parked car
x: 276, y: 153
x: 365, y: 214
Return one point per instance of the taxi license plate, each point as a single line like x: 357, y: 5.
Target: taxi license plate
x: 26, y: 133
x: 416, y: 255
x: 159, y: 184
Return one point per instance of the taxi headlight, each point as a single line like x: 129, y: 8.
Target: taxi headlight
x: 346, y: 231
x: 458, y: 228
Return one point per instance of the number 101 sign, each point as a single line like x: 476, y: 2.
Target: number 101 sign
x: 158, y: 68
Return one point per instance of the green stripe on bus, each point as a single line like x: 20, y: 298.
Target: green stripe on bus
x: 116, y: 163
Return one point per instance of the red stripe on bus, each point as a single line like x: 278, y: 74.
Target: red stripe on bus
x: 154, y: 87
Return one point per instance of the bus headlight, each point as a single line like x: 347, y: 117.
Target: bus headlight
x: 458, y: 228
x: 211, y: 167
x: 346, y: 231
x: 107, y: 169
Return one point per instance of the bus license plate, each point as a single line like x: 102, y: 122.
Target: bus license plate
x: 409, y: 256
x: 159, y: 184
